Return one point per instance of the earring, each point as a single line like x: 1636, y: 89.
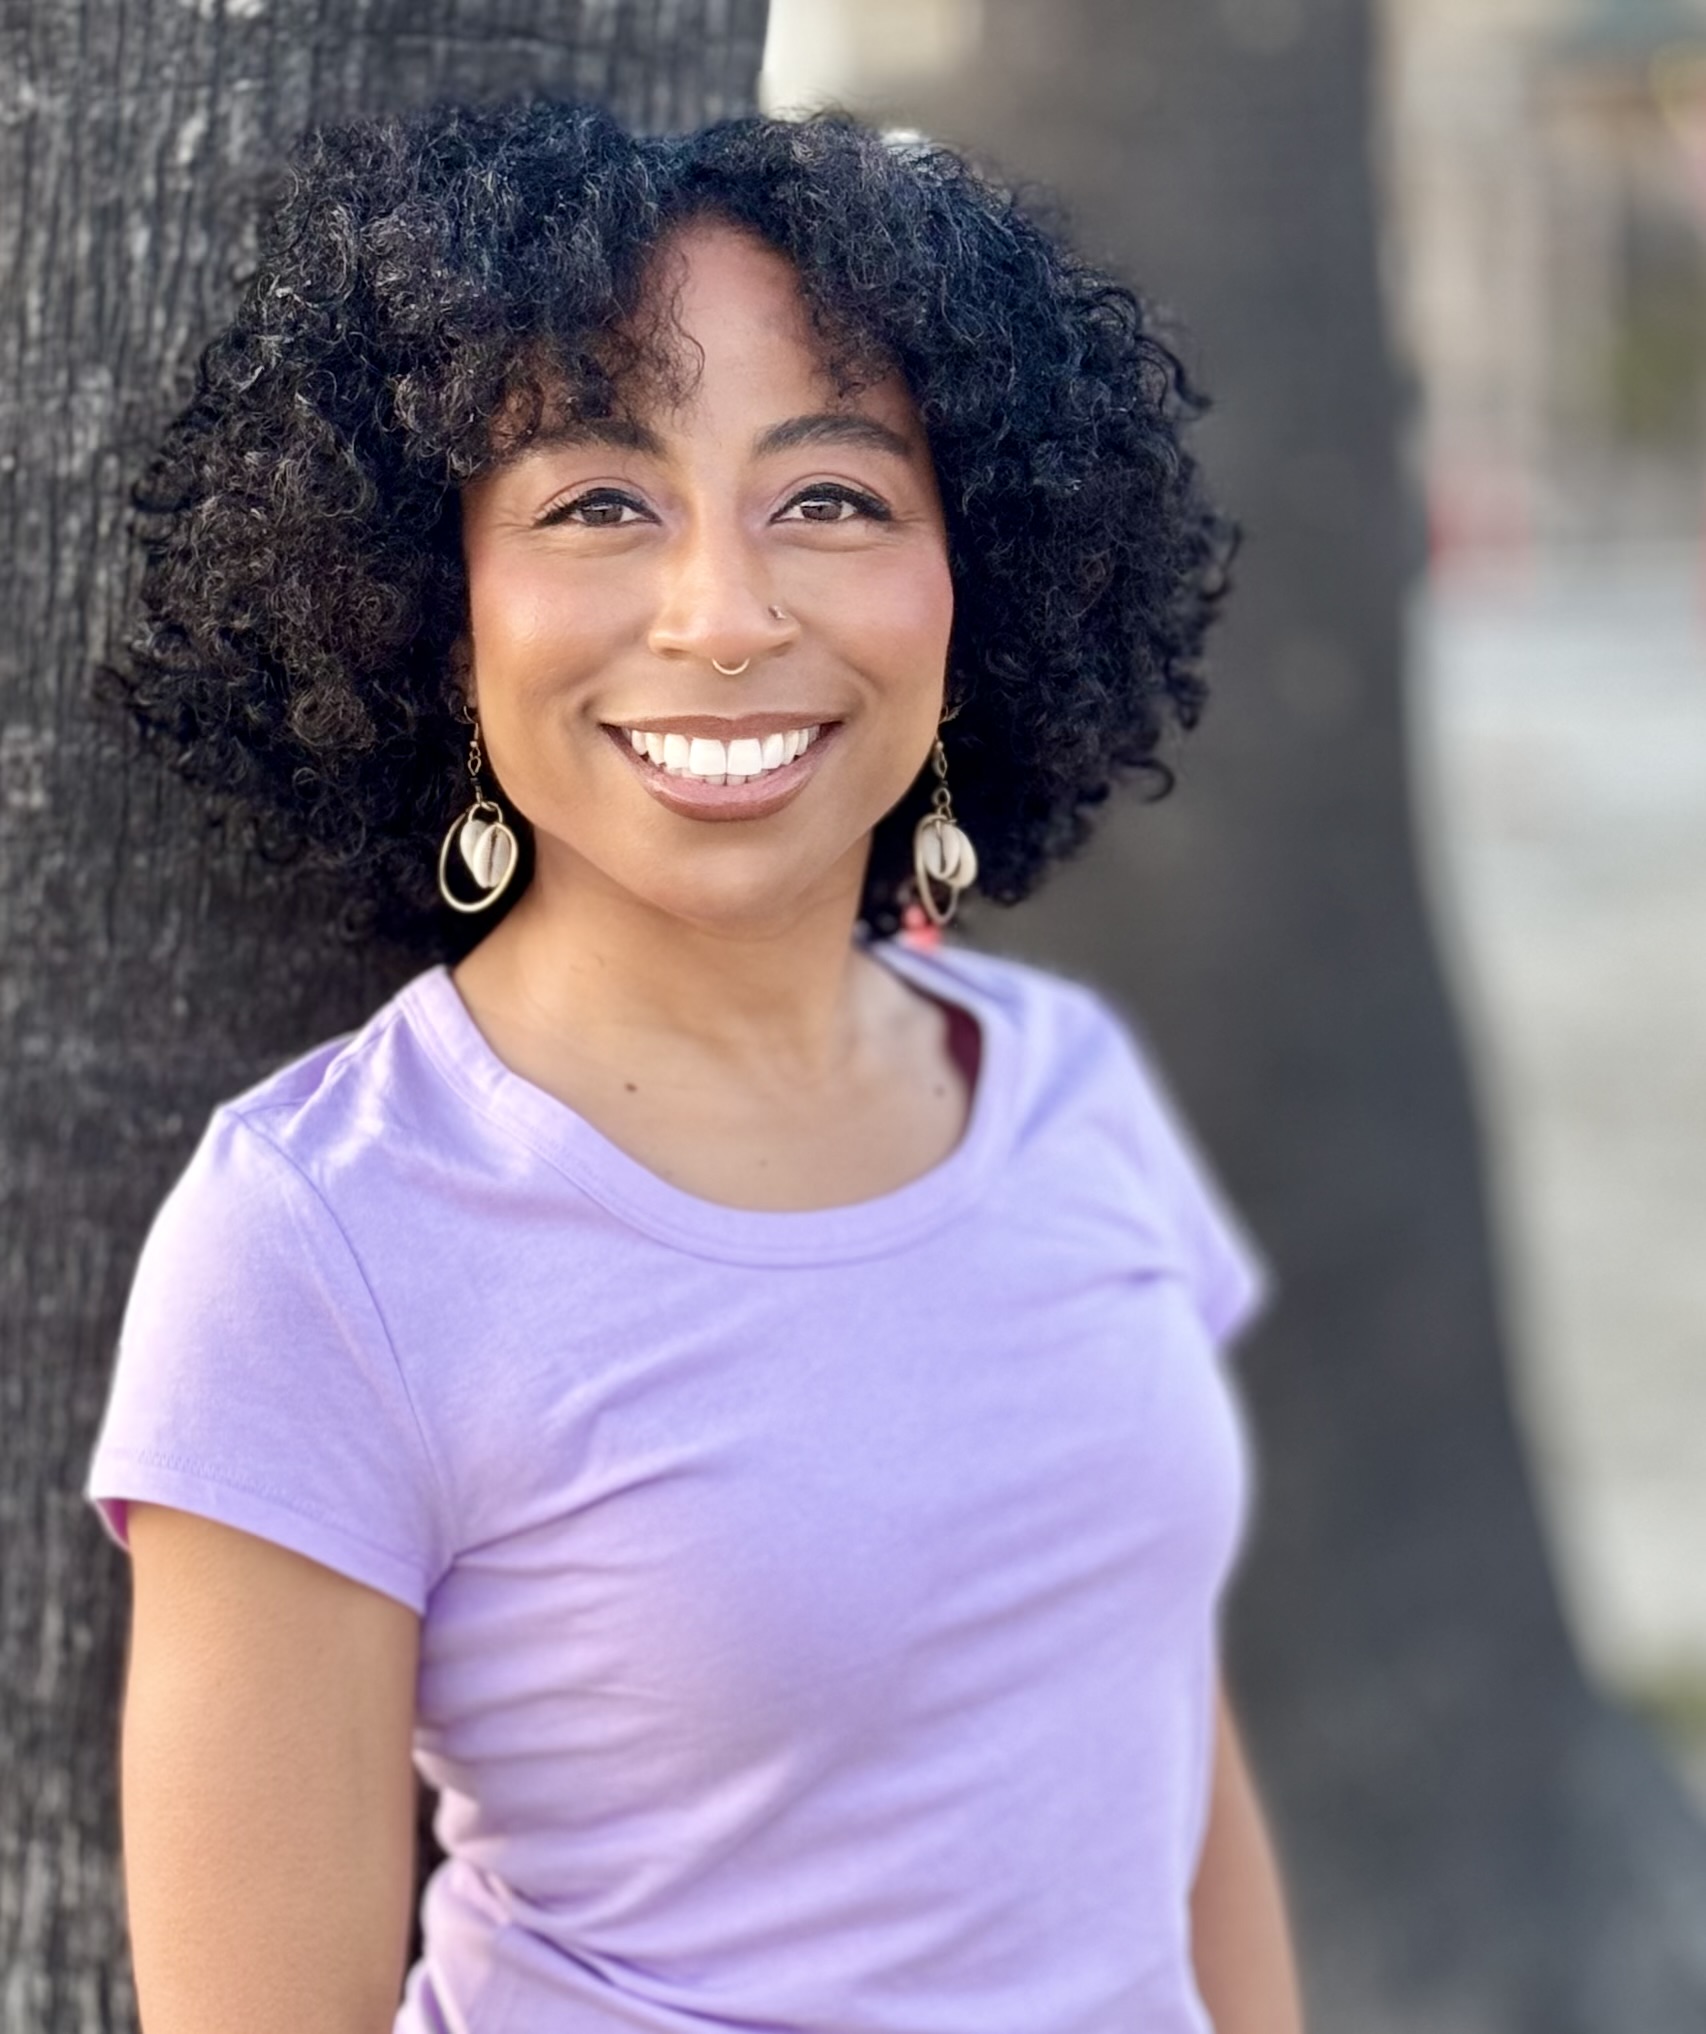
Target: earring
x: 483, y: 840
x: 941, y: 851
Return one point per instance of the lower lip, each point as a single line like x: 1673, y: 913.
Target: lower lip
x: 696, y: 798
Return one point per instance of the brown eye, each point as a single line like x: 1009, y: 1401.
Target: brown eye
x: 601, y: 508
x: 831, y: 504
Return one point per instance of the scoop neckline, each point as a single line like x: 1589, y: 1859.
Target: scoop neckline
x: 641, y: 1198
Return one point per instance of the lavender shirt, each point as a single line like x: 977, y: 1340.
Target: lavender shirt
x: 820, y: 1609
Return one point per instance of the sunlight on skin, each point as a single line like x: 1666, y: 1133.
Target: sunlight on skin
x: 606, y: 573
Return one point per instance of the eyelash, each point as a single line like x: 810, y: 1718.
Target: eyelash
x: 608, y: 497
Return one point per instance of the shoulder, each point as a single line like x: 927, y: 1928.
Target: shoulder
x: 318, y: 1112
x: 1069, y: 1051
x: 257, y: 1380
x: 1074, y: 1031
x: 279, y: 1167
x: 1054, y: 1013
x: 1092, y: 1068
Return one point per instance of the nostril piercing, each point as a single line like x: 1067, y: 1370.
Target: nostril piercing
x: 731, y: 670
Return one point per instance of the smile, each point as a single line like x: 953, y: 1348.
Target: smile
x: 712, y: 761
x: 752, y: 767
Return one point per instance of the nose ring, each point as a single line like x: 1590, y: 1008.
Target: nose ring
x: 731, y: 670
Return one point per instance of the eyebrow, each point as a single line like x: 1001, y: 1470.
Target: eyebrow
x: 832, y: 427
x: 822, y: 427
x: 622, y: 432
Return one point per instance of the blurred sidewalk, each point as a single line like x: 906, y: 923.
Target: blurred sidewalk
x: 1558, y: 715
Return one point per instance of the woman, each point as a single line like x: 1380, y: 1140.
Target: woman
x: 736, y: 1395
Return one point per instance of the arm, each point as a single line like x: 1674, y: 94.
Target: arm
x: 1241, y: 1943
x: 267, y: 1789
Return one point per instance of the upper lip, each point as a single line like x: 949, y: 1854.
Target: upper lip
x: 725, y: 728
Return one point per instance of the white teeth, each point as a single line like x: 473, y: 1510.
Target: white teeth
x: 710, y: 761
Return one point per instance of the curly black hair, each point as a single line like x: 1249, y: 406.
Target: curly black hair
x: 420, y: 277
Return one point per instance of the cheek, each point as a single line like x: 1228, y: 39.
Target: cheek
x: 540, y: 646
x: 934, y: 611
x: 899, y: 620
x: 521, y: 615
x: 537, y: 649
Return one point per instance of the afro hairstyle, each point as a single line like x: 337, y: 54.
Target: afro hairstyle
x: 421, y: 278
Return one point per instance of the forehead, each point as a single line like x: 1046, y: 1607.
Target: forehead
x: 720, y: 305
x: 710, y: 265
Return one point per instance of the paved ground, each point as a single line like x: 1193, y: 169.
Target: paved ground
x: 1560, y: 757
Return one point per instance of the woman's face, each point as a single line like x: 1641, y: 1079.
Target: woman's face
x: 612, y: 567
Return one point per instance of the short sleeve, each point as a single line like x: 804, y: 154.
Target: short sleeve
x: 1231, y: 1278
x: 255, y: 1383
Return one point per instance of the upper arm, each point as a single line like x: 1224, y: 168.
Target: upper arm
x: 267, y: 1786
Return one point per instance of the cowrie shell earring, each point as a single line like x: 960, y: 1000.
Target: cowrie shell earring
x: 942, y: 853
x: 484, y: 842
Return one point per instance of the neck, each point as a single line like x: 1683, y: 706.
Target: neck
x: 578, y: 958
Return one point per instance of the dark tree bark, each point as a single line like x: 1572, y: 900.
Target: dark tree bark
x: 1475, y: 1842
x: 148, y: 969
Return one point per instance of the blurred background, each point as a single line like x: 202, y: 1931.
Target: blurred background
x: 1540, y: 169
x: 1547, y: 227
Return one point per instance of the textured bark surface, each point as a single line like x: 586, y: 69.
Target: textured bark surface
x: 1476, y: 1845
x: 146, y: 972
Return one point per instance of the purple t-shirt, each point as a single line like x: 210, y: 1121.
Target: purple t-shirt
x: 820, y: 1609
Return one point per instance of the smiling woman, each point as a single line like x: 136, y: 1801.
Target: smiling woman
x: 755, y: 1380
x: 756, y: 559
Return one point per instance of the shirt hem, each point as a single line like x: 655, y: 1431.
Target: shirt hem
x: 120, y: 1476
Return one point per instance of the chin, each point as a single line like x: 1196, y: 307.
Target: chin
x: 750, y: 892
x: 750, y: 907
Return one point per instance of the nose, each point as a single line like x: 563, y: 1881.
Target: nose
x: 715, y: 602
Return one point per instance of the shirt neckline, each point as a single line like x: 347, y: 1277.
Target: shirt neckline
x: 637, y: 1196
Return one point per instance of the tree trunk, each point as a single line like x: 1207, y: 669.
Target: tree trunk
x: 150, y: 971
x: 1475, y: 1842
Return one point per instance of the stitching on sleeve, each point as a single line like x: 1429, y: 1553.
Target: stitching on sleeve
x: 286, y: 1500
